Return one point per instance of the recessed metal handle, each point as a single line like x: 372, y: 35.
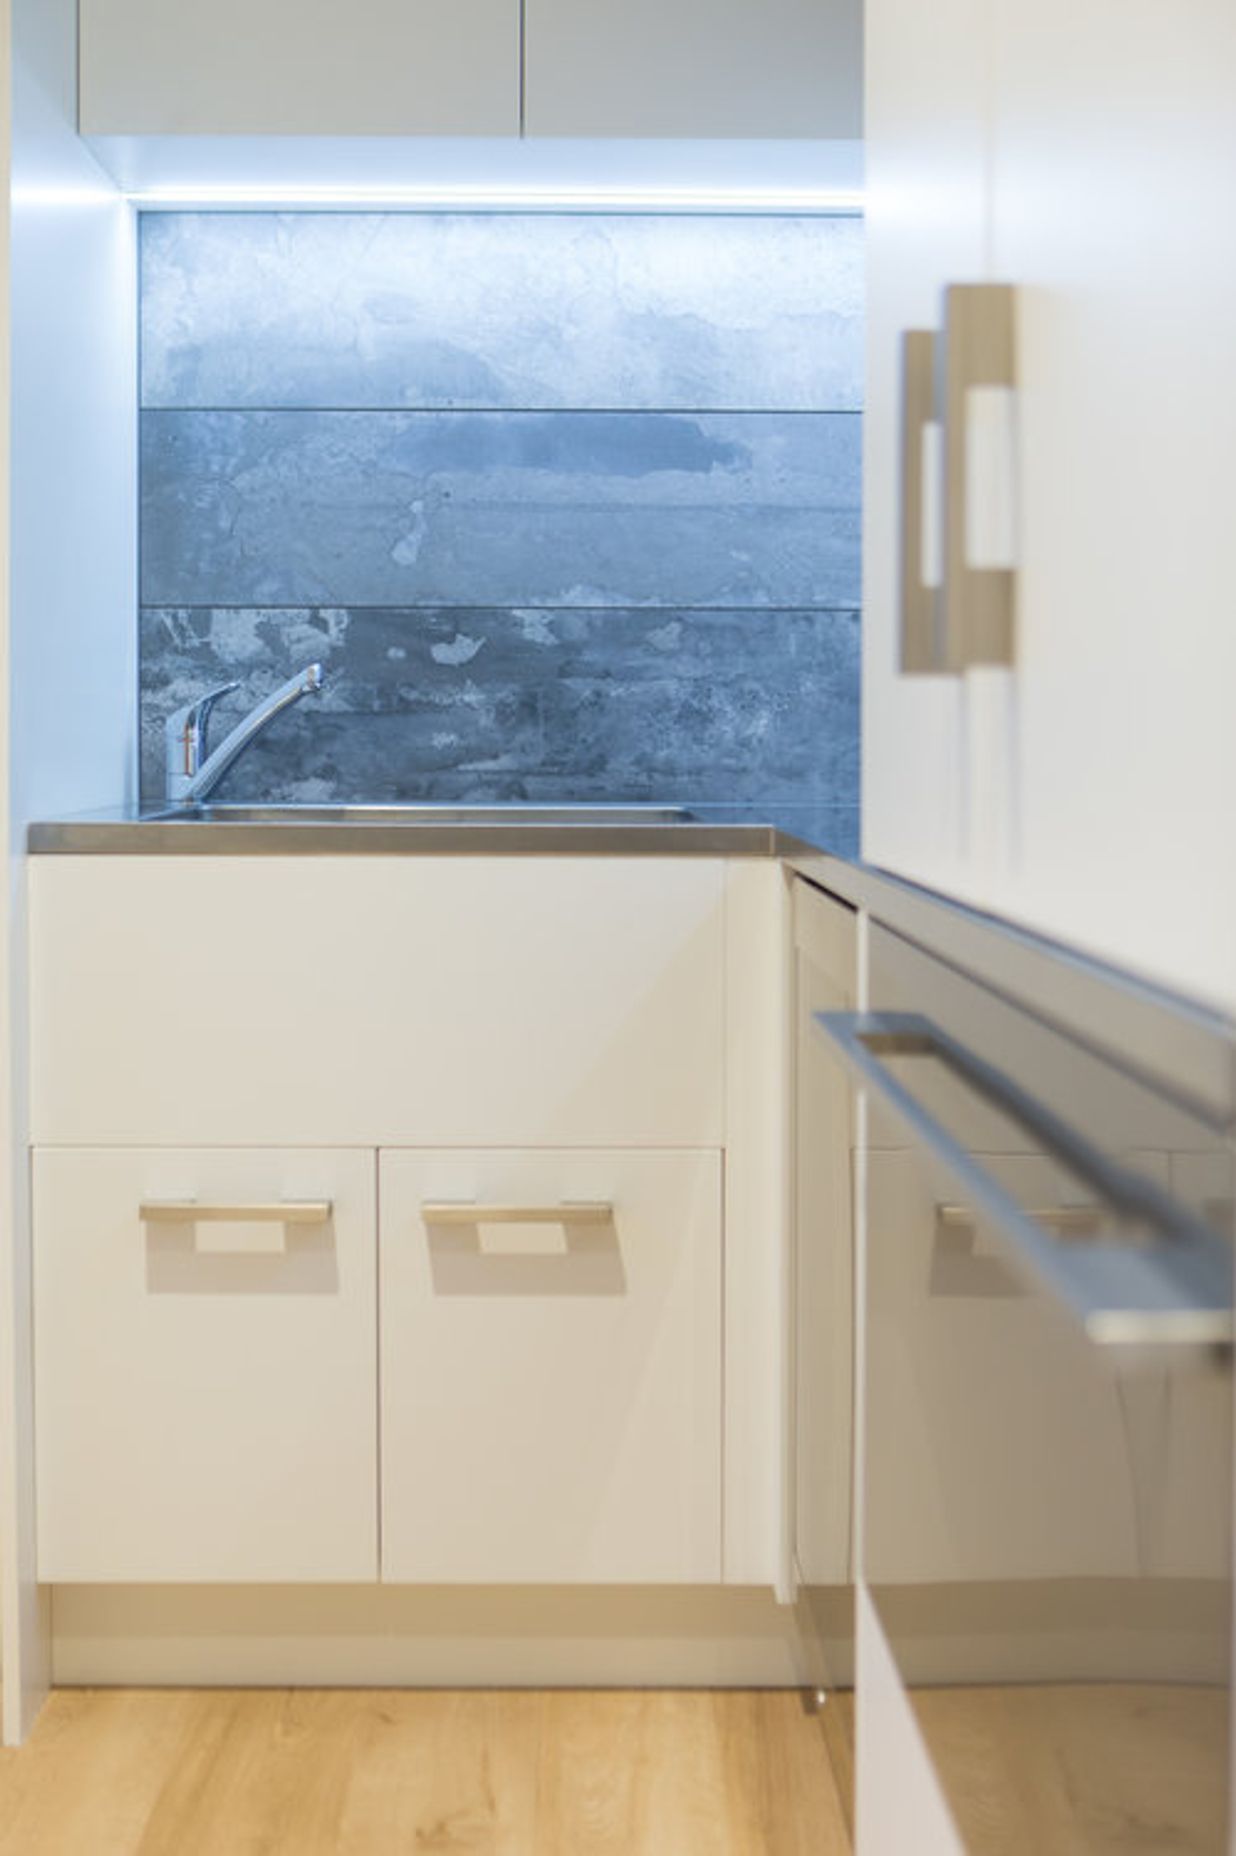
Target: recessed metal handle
x: 958, y: 1269
x: 977, y: 360
x: 1079, y: 1221
x: 462, y: 1211
x: 1170, y: 1285
x: 921, y: 644
x: 266, y: 1211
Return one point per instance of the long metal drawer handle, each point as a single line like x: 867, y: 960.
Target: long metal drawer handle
x: 266, y: 1211
x: 958, y: 1269
x: 1173, y: 1286
x: 462, y: 1211
x: 921, y: 648
x: 1060, y: 1220
x: 977, y: 354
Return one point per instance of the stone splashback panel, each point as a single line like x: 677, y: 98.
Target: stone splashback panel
x: 568, y: 507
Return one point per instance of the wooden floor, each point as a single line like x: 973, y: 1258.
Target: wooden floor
x: 124, y: 1772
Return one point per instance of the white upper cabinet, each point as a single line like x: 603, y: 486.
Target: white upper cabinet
x: 1083, y: 156
x: 1112, y: 165
x: 300, y: 67
x: 711, y: 68
x: 780, y: 68
x: 926, y: 224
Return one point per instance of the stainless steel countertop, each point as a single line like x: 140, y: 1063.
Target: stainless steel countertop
x: 373, y: 832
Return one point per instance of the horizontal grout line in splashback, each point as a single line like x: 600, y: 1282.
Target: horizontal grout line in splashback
x: 557, y: 412
x: 469, y: 605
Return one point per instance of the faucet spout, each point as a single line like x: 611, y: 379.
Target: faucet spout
x: 189, y: 778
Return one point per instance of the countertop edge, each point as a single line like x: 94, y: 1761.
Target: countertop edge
x: 195, y: 838
x: 1178, y: 1042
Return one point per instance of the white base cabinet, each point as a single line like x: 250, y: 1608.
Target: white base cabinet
x: 379, y: 1035
x: 208, y: 1389
x: 204, y: 1392
x: 551, y: 1386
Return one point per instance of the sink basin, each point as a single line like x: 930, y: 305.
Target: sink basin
x: 426, y: 815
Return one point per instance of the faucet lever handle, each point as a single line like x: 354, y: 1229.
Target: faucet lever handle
x: 186, y: 729
x: 191, y: 773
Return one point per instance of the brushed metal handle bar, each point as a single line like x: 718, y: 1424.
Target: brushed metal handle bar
x: 1173, y: 1286
x: 921, y: 644
x: 265, y: 1211
x: 977, y: 358
x: 462, y: 1211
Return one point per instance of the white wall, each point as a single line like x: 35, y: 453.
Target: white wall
x: 67, y: 634
x: 7, y: 1479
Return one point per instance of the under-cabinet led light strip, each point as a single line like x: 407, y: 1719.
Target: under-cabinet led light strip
x: 478, y: 198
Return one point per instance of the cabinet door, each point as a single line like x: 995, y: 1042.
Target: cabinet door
x: 299, y: 67
x: 1112, y: 168
x: 695, y: 68
x: 551, y: 1388
x: 927, y: 225
x: 1031, y: 1483
x: 204, y: 1397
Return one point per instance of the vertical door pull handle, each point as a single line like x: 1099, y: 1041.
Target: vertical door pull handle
x: 978, y: 381
x: 921, y: 514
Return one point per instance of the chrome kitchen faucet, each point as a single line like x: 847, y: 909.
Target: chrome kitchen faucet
x: 191, y: 772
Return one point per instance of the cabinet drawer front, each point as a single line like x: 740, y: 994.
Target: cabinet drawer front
x: 551, y: 1391
x: 299, y: 1001
x: 205, y: 1390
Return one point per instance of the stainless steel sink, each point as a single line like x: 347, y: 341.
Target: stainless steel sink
x: 514, y: 814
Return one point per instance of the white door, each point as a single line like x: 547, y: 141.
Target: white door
x: 1084, y: 156
x: 205, y: 1365
x: 927, y: 225
x: 551, y: 1366
x: 1113, y: 151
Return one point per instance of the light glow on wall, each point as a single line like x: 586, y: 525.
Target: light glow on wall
x: 483, y: 174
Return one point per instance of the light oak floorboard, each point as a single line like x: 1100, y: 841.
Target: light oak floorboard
x: 381, y: 1772
x: 837, y: 1721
